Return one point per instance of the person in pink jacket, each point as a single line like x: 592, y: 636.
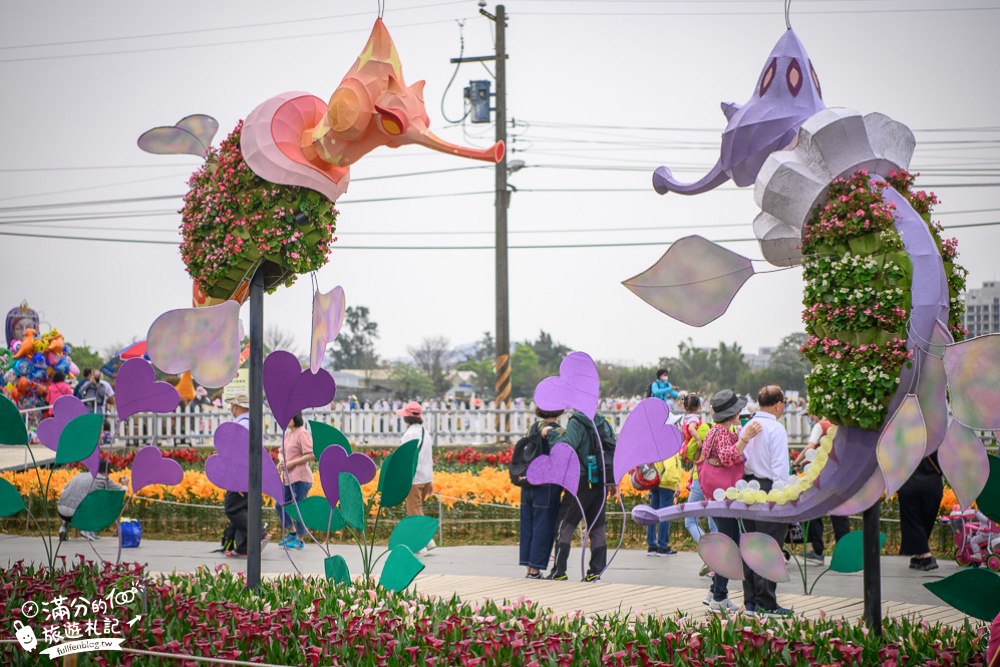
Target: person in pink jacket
x: 293, y: 465
x: 57, y: 390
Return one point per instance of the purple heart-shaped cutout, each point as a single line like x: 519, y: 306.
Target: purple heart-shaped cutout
x: 136, y: 390
x: 230, y: 468
x: 646, y: 437
x: 64, y: 410
x: 577, y: 386
x: 560, y: 466
x: 335, y: 460
x: 150, y: 467
x: 290, y: 389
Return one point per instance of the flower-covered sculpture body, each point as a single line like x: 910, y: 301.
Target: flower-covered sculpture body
x: 233, y: 220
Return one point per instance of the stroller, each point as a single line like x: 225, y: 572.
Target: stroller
x: 977, y: 539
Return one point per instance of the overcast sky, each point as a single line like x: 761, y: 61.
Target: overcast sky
x: 602, y: 93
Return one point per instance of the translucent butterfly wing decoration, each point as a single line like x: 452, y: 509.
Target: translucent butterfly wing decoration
x: 694, y: 282
x: 328, y: 318
x: 191, y: 135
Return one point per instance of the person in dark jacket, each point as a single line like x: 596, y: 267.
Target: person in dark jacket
x: 235, y: 503
x: 919, y: 500
x: 592, y: 493
x: 540, y: 504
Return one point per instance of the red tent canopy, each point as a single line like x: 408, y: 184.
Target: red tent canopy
x: 133, y: 351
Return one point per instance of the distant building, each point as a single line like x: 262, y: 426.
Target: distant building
x: 760, y: 360
x: 982, y: 309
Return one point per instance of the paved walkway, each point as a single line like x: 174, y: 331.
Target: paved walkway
x: 633, y: 582
x: 17, y: 458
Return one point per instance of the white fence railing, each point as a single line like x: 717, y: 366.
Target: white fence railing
x: 447, y: 426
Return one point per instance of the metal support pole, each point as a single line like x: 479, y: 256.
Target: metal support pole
x: 502, y: 201
x: 254, y: 497
x: 872, y: 574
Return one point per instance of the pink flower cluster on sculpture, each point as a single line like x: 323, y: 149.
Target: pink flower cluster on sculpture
x: 231, y: 215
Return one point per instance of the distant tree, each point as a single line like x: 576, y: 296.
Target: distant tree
x: 486, y: 348
x: 435, y: 357
x: 730, y: 362
x: 550, y: 354
x: 409, y: 383
x: 482, y: 364
x: 84, y: 357
x: 788, y: 366
x: 525, y: 372
x: 355, y: 346
x: 706, y: 370
x: 625, y: 380
x: 276, y: 338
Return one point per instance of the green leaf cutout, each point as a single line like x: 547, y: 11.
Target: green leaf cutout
x: 401, y: 567
x: 352, y: 503
x: 316, y: 514
x: 848, y: 555
x: 975, y: 592
x: 396, y: 476
x: 12, y: 430
x: 325, y: 435
x: 10, y: 500
x: 336, y: 569
x: 413, y: 531
x: 989, y: 499
x: 99, y: 509
x: 79, y: 438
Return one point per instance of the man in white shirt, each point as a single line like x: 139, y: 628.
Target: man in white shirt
x: 766, y: 462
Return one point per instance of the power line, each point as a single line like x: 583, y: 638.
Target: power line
x: 269, y: 24
x: 341, y: 204
x: 450, y: 247
x: 230, y: 43
x: 913, y: 10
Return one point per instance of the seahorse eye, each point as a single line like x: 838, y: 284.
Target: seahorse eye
x: 765, y: 83
x: 793, y: 76
x: 812, y: 71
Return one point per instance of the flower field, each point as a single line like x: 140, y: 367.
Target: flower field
x: 474, y: 500
x: 307, y: 621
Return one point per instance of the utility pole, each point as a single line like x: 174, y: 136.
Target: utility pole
x: 502, y: 202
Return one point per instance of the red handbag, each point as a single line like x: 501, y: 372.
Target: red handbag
x: 712, y: 477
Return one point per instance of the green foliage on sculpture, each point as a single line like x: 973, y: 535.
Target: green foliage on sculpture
x: 233, y: 220
x: 857, y: 297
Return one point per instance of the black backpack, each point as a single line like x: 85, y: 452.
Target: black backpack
x: 525, y: 451
x: 607, y: 443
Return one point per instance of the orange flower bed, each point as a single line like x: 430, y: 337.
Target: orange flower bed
x: 489, y: 485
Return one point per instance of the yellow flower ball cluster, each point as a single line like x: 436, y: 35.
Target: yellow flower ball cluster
x: 751, y: 493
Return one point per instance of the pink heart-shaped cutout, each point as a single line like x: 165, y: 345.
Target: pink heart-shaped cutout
x: 290, y: 389
x: 136, y: 390
x: 577, y: 386
x: 560, y: 466
x: 646, y: 437
x: 230, y: 468
x: 335, y: 460
x: 328, y: 317
x: 150, y: 467
x: 205, y: 341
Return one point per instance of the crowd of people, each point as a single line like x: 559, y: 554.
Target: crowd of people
x: 740, y: 440
x: 736, y: 444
